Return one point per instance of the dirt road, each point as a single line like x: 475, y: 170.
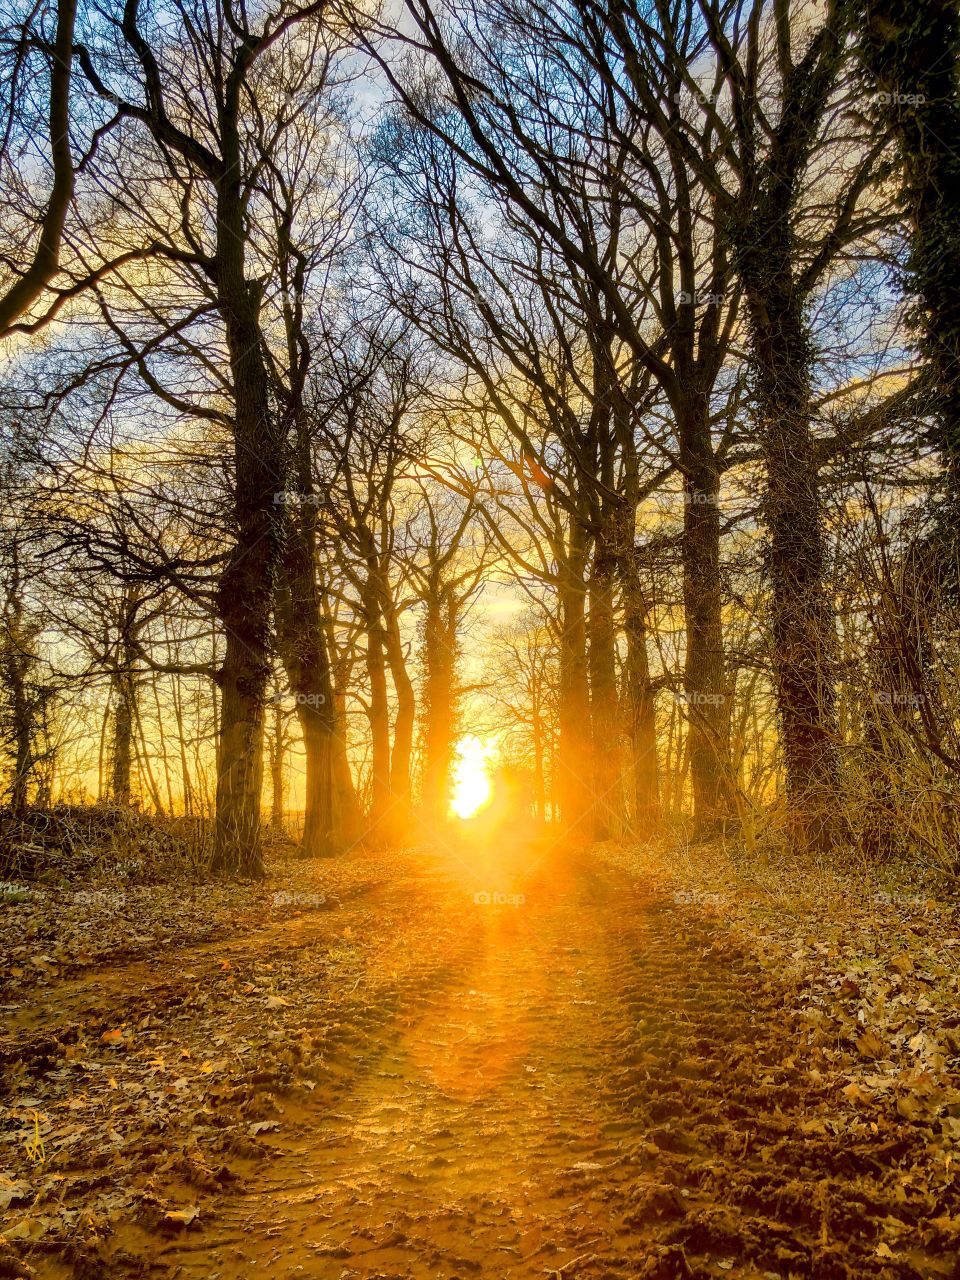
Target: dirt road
x: 512, y: 1064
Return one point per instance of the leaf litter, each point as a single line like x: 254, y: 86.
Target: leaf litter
x: 639, y: 1074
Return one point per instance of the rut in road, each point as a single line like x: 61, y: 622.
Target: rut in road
x: 596, y: 1085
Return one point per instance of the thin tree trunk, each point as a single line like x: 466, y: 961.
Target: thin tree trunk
x: 23, y: 761
x: 379, y: 716
x: 349, y: 818
x: 347, y: 806
x: 307, y: 664
x: 143, y: 756
x: 439, y: 644
x: 125, y: 697
x: 185, y: 781
x: 121, y: 747
x: 605, y: 723
x: 641, y: 706
x: 277, y: 797
x: 162, y: 740
x: 402, y: 754
x: 539, y: 782
x: 705, y: 694
x: 102, y: 754
x: 18, y: 660
x: 573, y: 762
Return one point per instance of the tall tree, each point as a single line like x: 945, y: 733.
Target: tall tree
x: 910, y: 52
x: 782, y: 261
x: 446, y: 567
x: 200, y: 130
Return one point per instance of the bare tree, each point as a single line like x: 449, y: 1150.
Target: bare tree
x: 608, y: 189
x: 199, y: 130
x: 447, y: 557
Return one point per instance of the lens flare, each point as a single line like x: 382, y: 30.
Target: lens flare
x: 471, y: 788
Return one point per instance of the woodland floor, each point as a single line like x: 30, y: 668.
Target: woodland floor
x: 625, y: 1074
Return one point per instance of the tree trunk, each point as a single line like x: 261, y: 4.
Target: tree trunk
x: 403, y: 727
x: 705, y: 694
x: 185, y: 779
x: 23, y: 762
x: 245, y: 591
x: 276, y: 773
x: 121, y: 747
x: 802, y: 631
x: 439, y: 657
x: 379, y: 716
x: 640, y: 706
x: 18, y: 661
x: 605, y: 723
x: 303, y: 649
x: 539, y: 780
x: 319, y: 838
x: 346, y: 805
x: 573, y: 763
x: 125, y: 691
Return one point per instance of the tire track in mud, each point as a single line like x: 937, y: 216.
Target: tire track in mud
x: 608, y: 1089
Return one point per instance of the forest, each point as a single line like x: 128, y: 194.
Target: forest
x: 479, y: 639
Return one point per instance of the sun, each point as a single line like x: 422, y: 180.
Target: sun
x: 472, y: 788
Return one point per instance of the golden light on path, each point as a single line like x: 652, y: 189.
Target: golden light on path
x: 471, y: 788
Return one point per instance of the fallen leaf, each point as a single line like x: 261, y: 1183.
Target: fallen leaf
x: 11, y: 1192
x: 870, y: 1045
x: 910, y: 1107
x: 262, y: 1126
x: 181, y: 1217
x: 27, y: 1229
x: 857, y: 1095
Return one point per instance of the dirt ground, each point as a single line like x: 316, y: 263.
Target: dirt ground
x: 521, y: 1063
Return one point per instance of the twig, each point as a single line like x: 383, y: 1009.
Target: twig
x: 558, y: 1271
